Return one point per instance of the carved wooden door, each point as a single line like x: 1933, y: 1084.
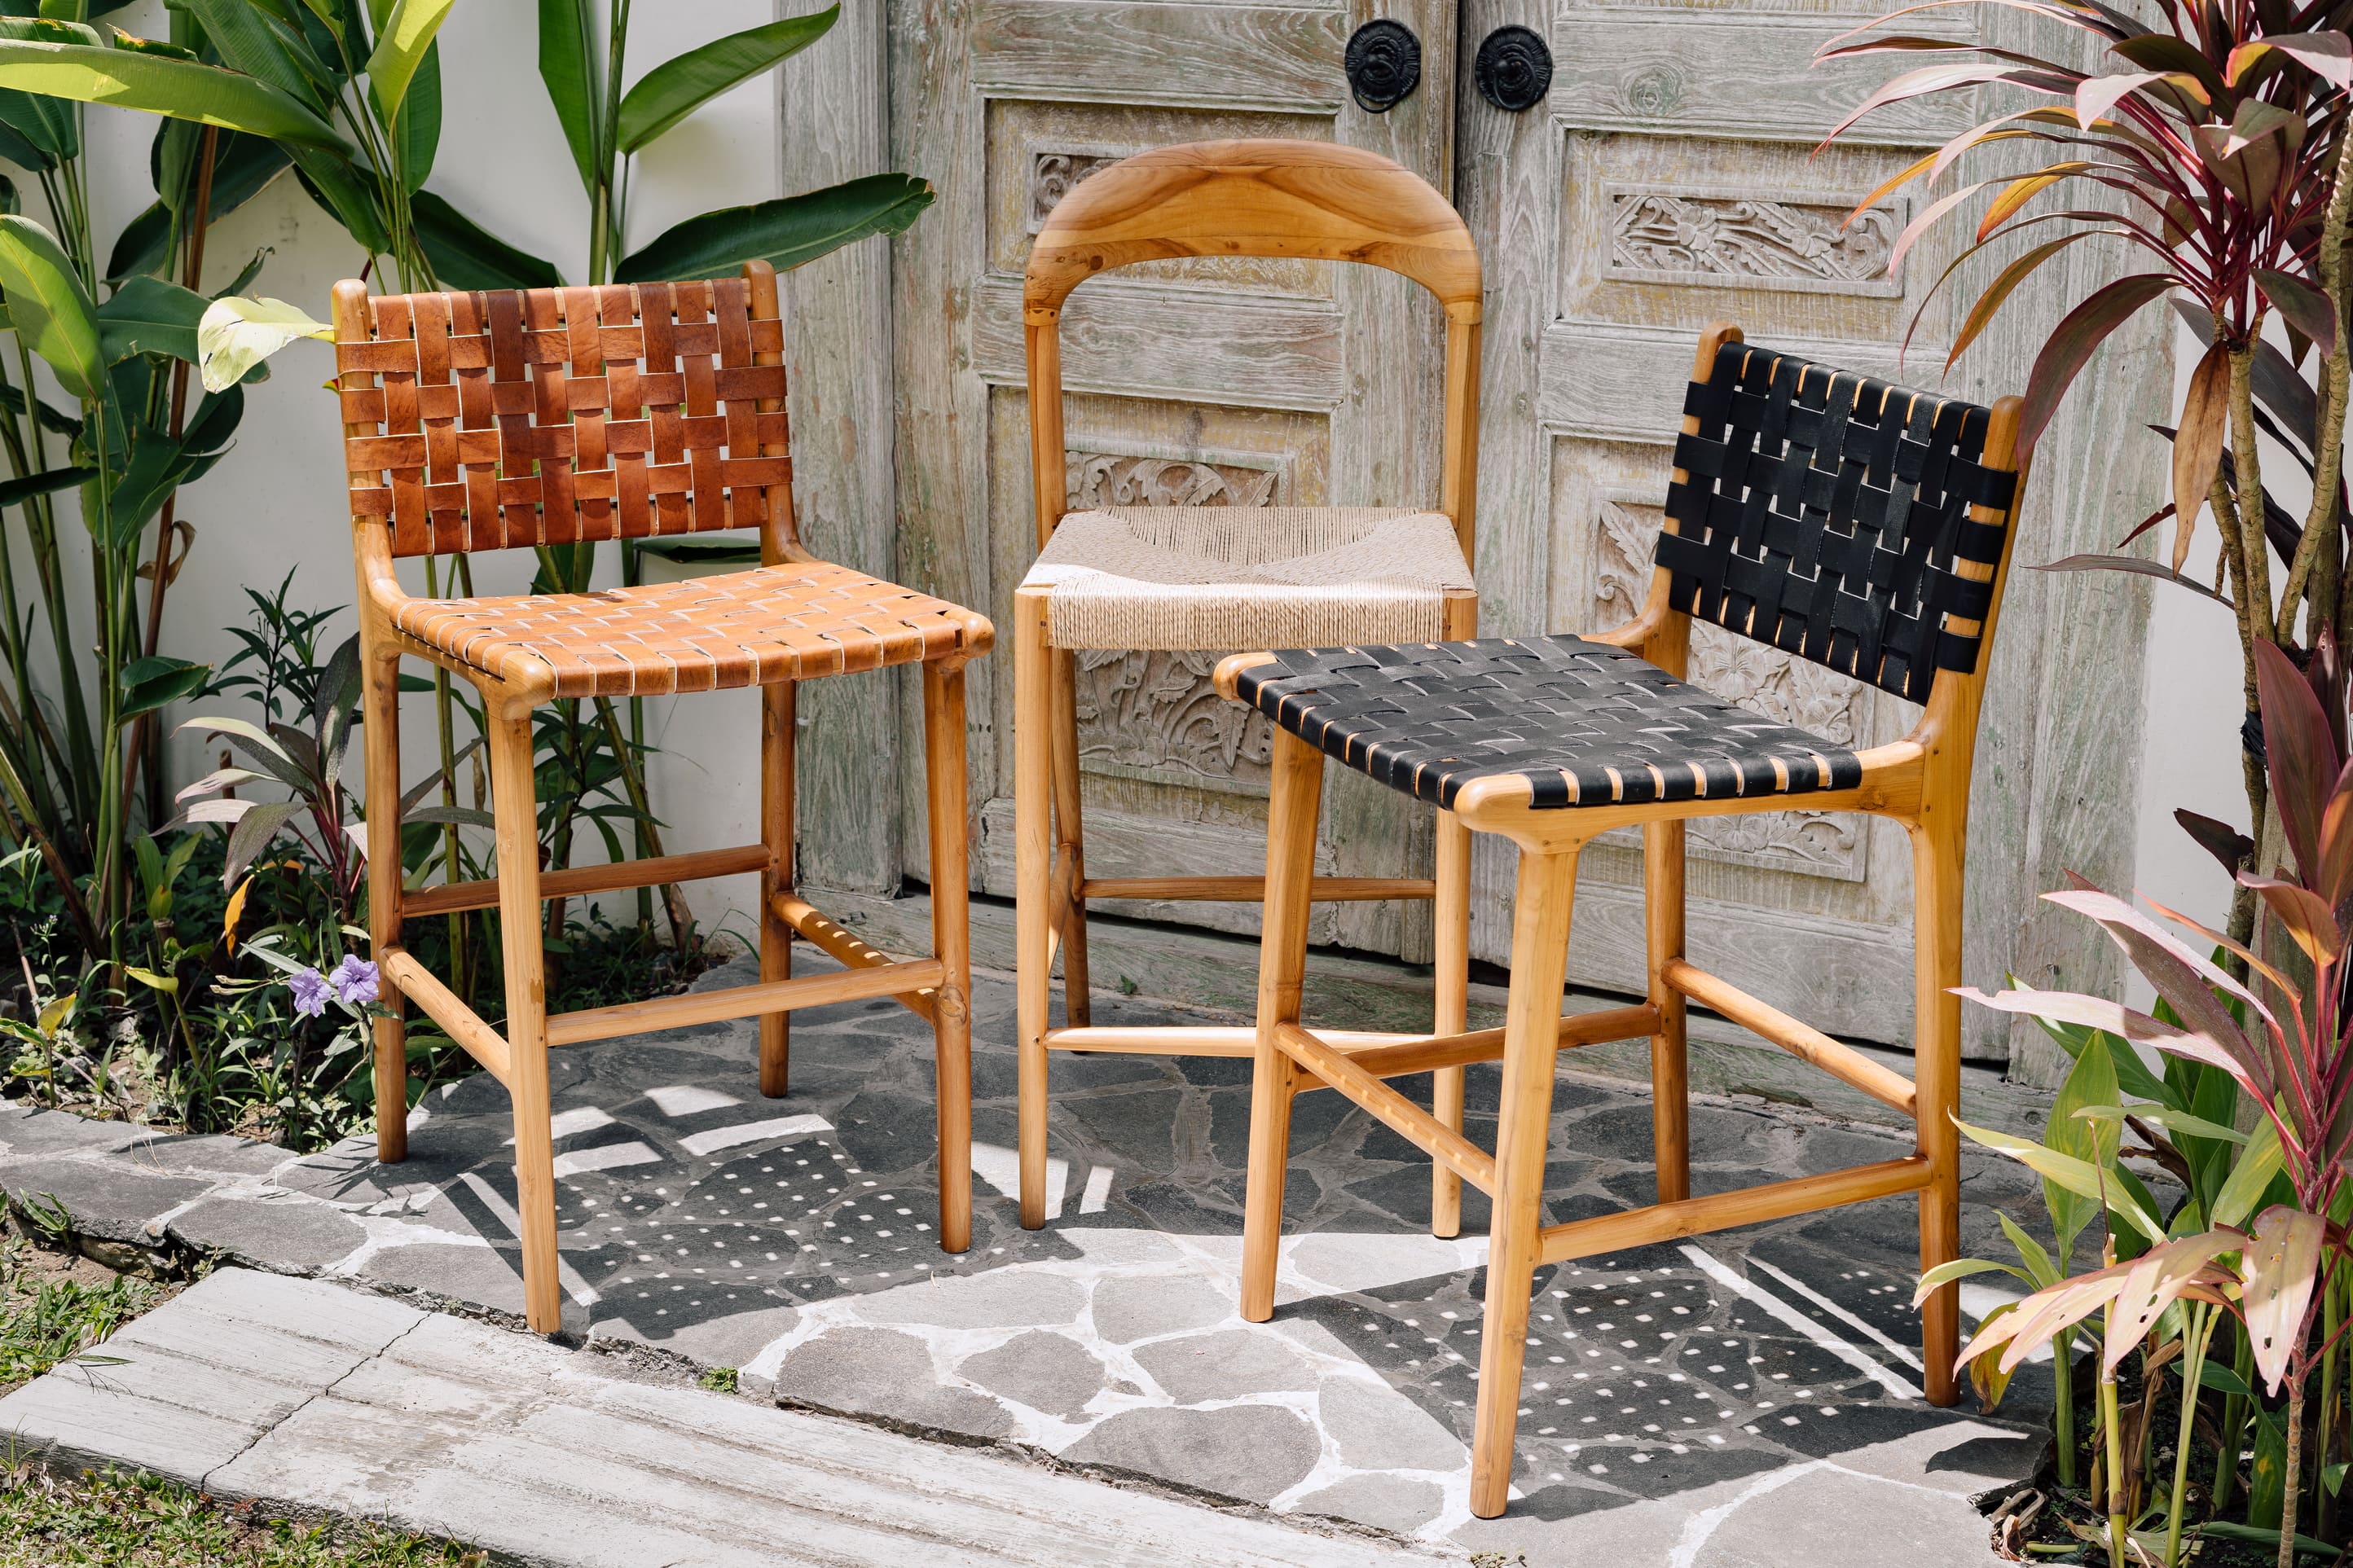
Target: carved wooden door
x: 1669, y: 180
x: 1215, y: 382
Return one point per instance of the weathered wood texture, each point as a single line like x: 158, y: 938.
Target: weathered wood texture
x: 835, y: 119
x: 1272, y: 57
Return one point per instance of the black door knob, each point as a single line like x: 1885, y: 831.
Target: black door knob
x: 1513, y: 70
x: 1384, y: 64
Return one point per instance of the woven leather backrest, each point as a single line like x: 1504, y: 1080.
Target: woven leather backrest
x: 1825, y: 513
x: 565, y: 415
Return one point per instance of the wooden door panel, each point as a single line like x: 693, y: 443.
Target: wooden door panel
x: 1699, y: 69
x: 1124, y: 52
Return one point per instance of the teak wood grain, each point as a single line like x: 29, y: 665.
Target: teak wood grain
x: 1920, y: 782
x: 478, y: 421
x: 1262, y: 198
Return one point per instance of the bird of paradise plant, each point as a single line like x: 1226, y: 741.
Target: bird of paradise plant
x: 2283, y: 1035
x: 2210, y: 146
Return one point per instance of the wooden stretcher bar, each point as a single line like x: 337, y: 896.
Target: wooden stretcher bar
x: 1803, y: 1041
x: 1203, y: 1039
x: 657, y: 871
x: 1401, y: 1115
x: 827, y: 937
x: 743, y: 1001
x: 1253, y: 890
x: 1722, y: 1211
x: 442, y: 1004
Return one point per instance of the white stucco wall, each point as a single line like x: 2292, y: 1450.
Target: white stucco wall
x: 274, y: 501
x: 2192, y: 684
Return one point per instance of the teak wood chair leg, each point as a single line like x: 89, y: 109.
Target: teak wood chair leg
x: 1548, y: 887
x: 1452, y: 941
x: 943, y: 747
x: 1070, y: 838
x: 779, y: 711
x: 1293, y: 797
x: 516, y: 813
x: 1033, y: 851
x: 1937, y: 1073
x: 380, y: 688
x: 1662, y: 886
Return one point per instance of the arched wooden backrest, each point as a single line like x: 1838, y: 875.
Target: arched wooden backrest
x: 478, y: 421
x: 1266, y: 197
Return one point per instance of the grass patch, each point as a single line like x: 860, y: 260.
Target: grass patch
x: 55, y: 1307
x: 105, y: 1519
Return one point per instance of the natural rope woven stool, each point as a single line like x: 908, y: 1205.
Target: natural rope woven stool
x: 1215, y: 578
x: 565, y: 416
x: 1853, y: 524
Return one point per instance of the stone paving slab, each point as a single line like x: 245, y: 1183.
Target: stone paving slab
x: 449, y: 1426
x: 793, y: 1240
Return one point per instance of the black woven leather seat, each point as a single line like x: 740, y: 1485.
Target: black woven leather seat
x: 1586, y: 723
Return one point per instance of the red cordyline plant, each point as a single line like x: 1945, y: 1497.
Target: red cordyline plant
x: 2209, y: 142
x: 2284, y: 1035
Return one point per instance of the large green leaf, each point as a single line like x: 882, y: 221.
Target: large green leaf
x: 148, y: 315
x: 2257, y: 1163
x: 53, y: 313
x: 153, y: 682
x: 464, y: 255
x: 263, y: 47
x: 43, y: 123
x: 787, y: 231
x: 185, y: 89
x: 242, y: 166
x: 335, y: 185
x: 2091, y: 1082
x: 416, y: 133
x: 567, y: 68
x: 14, y: 490
x: 401, y: 44
x: 678, y: 86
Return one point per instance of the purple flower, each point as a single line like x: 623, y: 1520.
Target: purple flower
x: 310, y: 988
x: 354, y: 980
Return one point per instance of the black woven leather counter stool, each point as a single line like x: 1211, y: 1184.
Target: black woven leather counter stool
x: 1860, y: 525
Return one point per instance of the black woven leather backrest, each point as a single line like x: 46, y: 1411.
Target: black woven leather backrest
x: 1825, y: 513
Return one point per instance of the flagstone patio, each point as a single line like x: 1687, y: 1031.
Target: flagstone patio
x: 1683, y: 1401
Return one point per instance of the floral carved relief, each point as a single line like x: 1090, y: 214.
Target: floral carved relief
x: 1718, y: 238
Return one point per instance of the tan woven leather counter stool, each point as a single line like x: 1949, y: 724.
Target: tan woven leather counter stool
x: 1216, y: 578
x: 563, y: 416
x: 1859, y: 525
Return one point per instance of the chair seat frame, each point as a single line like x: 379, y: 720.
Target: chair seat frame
x: 936, y: 987
x: 1921, y: 782
x: 1257, y: 198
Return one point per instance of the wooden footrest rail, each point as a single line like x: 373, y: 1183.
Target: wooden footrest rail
x: 658, y: 871
x: 1722, y: 1211
x: 1803, y: 1041
x: 829, y: 938
x: 1253, y: 890
x: 442, y: 1004
x: 487, y: 1045
x: 1202, y: 1039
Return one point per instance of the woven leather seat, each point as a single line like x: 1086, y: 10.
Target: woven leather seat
x: 1222, y: 577
x: 708, y: 634
x: 1586, y: 723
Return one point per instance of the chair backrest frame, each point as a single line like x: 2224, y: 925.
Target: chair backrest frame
x: 1799, y: 528
x: 1260, y: 197
x: 553, y: 417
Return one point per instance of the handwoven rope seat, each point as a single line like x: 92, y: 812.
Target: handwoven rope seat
x: 707, y: 634
x: 1227, y: 577
x: 1587, y: 723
